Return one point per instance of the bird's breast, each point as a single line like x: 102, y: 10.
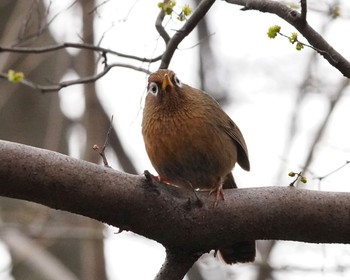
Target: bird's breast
x: 186, y: 147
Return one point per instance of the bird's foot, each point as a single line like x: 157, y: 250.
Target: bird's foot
x: 219, y: 192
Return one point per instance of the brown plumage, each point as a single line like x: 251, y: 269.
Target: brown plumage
x: 193, y: 143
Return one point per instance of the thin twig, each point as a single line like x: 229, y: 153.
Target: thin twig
x: 102, y: 150
x: 162, y: 32
x: 94, y: 10
x: 304, y: 44
x: 298, y: 176
x: 85, y: 80
x: 304, y: 86
x: 294, y: 18
x: 58, y: 13
x: 321, y: 130
x: 332, y: 172
x: 37, y: 50
x: 41, y: 28
x: 187, y: 28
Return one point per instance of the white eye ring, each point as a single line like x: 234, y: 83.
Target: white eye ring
x: 153, y: 88
x: 177, y: 81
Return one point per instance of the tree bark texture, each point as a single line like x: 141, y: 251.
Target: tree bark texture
x: 168, y: 214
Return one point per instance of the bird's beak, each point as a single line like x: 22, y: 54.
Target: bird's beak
x: 167, y: 82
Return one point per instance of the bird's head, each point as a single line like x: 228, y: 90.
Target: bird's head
x: 164, y: 87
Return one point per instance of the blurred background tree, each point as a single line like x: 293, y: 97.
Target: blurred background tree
x: 75, y: 243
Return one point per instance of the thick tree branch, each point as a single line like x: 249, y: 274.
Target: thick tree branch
x: 170, y: 215
x: 190, y: 24
x: 303, y: 6
x: 131, y: 202
x: 298, y: 21
x: 176, y: 265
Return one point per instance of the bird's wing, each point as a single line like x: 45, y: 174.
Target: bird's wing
x: 227, y: 125
x: 233, y: 131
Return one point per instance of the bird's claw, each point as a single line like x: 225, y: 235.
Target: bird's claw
x: 219, y: 193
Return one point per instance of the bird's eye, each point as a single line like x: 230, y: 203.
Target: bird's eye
x: 177, y: 81
x: 153, y: 88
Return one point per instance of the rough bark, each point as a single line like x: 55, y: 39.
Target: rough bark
x: 168, y: 214
x: 132, y: 202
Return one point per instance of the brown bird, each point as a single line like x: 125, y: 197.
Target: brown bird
x: 193, y: 143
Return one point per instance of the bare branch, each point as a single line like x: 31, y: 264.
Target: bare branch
x: 43, y: 26
x: 115, y: 143
x: 58, y: 13
x: 162, y: 32
x: 85, y: 80
x: 303, y: 5
x: 319, y: 133
x: 121, y: 199
x: 306, y: 83
x: 94, y: 10
x: 295, y: 19
x: 320, y: 178
x: 102, y: 150
x: 38, y: 50
x: 190, y: 24
x: 176, y: 265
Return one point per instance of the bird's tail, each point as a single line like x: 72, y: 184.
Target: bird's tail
x: 229, y: 182
x: 240, y: 252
